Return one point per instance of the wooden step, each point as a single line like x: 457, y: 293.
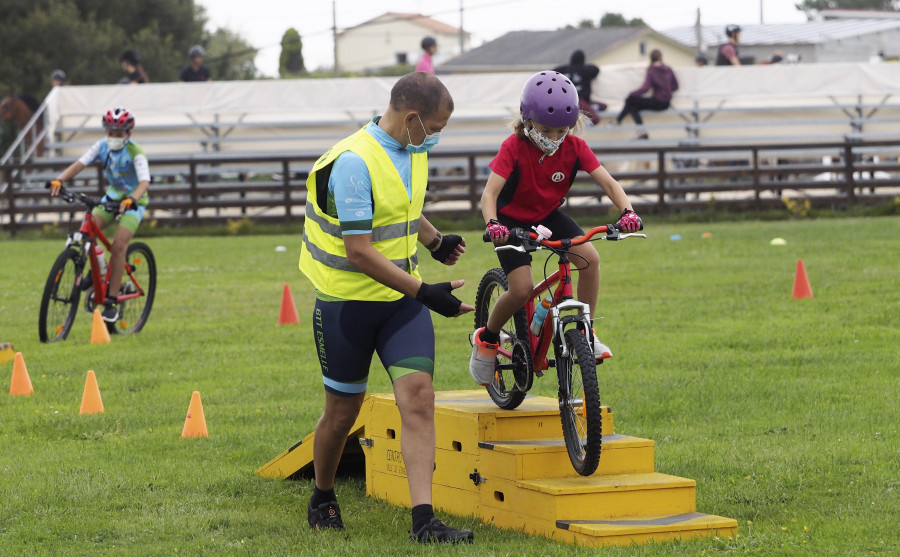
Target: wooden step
x: 548, y: 458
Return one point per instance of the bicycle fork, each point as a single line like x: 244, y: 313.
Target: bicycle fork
x: 560, y: 324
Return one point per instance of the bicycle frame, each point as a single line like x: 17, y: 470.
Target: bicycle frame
x: 93, y: 233
x: 553, y: 324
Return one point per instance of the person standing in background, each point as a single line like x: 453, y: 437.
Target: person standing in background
x: 196, y: 71
x: 426, y: 64
x: 57, y: 78
x: 728, y: 52
x: 131, y: 64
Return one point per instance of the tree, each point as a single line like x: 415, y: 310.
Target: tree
x: 812, y: 7
x: 290, y: 63
x: 86, y: 39
x: 618, y: 20
x: 230, y: 57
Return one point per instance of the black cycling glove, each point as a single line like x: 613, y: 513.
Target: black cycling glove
x: 447, y: 246
x: 438, y: 298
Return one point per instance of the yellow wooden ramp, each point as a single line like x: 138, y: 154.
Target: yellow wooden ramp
x: 510, y: 468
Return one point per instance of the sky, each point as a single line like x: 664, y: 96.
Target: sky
x: 262, y: 22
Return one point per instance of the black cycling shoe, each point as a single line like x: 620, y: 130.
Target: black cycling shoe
x: 110, y: 313
x: 326, y: 515
x: 436, y: 531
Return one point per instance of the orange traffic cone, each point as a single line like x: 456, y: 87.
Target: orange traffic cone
x: 801, y: 282
x: 20, y: 383
x: 288, y: 314
x: 99, y: 333
x: 91, y: 403
x: 195, y: 423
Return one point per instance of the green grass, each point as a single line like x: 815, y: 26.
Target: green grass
x: 784, y: 411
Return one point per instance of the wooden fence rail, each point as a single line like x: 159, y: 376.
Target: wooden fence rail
x: 659, y: 178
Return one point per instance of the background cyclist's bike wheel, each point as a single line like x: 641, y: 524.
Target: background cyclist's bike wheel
x: 503, y: 389
x: 59, y: 304
x: 579, y: 402
x: 133, y: 313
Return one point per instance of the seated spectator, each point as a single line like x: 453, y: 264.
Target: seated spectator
x: 58, y: 78
x: 661, y: 82
x: 582, y: 75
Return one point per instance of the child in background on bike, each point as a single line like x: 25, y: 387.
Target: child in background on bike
x: 531, y: 175
x: 128, y: 175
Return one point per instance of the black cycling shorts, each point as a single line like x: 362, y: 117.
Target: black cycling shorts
x: 348, y: 332
x: 560, y: 224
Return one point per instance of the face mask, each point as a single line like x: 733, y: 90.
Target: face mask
x: 427, y: 144
x: 115, y: 143
x: 548, y: 146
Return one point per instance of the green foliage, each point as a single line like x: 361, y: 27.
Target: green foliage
x: 798, y: 208
x: 230, y: 57
x: 784, y: 411
x: 86, y: 39
x: 290, y: 63
x: 618, y: 20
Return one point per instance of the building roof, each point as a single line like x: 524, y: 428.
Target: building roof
x: 528, y: 49
x: 424, y: 21
x: 813, y: 32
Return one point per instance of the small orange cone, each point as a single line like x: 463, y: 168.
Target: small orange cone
x: 195, y: 423
x: 801, y: 282
x: 288, y: 314
x: 21, y: 383
x: 99, y: 333
x: 91, y: 403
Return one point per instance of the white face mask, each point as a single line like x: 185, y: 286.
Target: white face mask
x: 115, y: 143
x: 542, y: 142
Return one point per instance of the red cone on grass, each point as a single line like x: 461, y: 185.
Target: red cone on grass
x: 801, y: 282
x: 288, y: 314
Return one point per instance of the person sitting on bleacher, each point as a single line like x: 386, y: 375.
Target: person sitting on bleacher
x: 660, y: 80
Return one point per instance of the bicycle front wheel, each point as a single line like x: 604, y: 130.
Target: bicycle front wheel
x: 139, y: 276
x: 506, y: 390
x: 59, y: 304
x: 579, y: 402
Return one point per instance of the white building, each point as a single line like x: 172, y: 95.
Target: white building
x: 395, y: 38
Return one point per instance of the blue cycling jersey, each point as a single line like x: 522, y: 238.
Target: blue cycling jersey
x: 125, y: 168
x: 350, y: 185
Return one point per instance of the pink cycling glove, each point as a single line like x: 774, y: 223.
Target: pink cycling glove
x: 629, y: 221
x: 496, y: 230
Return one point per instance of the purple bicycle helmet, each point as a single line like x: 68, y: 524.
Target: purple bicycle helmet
x: 550, y: 98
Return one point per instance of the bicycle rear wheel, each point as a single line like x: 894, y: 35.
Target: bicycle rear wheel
x: 139, y: 276
x: 506, y: 390
x: 579, y: 402
x: 59, y: 303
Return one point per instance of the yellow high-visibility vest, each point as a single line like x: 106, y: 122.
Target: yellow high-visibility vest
x: 395, y: 222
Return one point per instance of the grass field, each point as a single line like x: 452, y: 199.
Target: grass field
x: 785, y: 411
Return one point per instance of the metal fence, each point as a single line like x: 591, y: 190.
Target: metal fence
x: 662, y: 179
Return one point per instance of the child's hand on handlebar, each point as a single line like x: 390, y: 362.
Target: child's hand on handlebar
x: 54, y: 186
x: 127, y: 204
x: 629, y: 221
x: 497, y: 232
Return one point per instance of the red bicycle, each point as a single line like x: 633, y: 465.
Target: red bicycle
x: 522, y: 355
x: 68, y: 279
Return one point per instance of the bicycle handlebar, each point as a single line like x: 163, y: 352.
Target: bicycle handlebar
x: 70, y: 196
x: 525, y: 240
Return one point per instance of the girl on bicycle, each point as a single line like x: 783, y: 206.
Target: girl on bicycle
x: 128, y: 175
x: 530, y: 177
